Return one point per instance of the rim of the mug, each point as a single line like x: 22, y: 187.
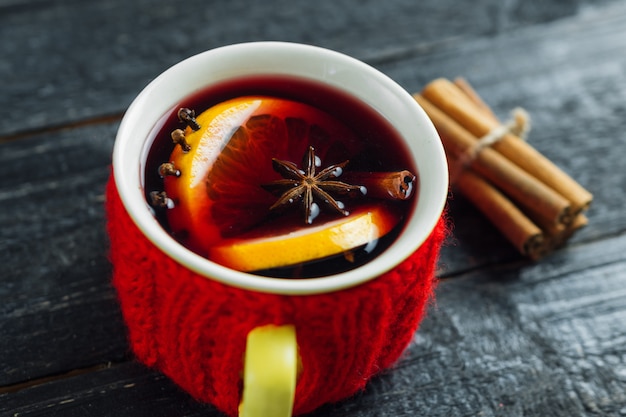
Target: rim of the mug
x: 156, y: 99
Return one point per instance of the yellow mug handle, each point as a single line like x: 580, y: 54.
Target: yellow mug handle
x: 270, y: 372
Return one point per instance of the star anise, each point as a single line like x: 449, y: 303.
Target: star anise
x: 307, y: 185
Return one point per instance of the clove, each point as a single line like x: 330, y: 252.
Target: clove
x: 160, y: 199
x: 168, y: 169
x: 188, y: 117
x: 178, y: 137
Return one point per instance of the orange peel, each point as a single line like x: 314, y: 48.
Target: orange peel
x: 218, y: 193
x: 285, y: 247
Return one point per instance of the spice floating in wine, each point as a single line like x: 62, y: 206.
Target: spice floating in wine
x: 307, y: 185
x: 277, y: 243
x: 232, y: 161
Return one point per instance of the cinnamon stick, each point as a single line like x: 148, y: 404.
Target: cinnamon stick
x: 555, y: 234
x: 397, y: 185
x: 556, y: 239
x: 473, y: 95
x: 528, y: 228
x: 526, y: 190
x: 503, y: 214
x: 456, y: 104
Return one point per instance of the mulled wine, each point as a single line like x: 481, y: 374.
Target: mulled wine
x: 279, y: 176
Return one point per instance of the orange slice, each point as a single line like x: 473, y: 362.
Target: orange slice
x: 218, y: 194
x: 274, y: 245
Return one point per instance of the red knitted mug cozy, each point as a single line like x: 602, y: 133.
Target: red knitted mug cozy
x: 194, y: 329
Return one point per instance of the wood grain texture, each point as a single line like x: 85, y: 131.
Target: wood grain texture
x: 58, y: 310
x: 121, y: 389
x: 505, y: 336
x: 71, y: 60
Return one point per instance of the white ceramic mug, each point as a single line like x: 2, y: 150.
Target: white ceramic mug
x: 334, y: 69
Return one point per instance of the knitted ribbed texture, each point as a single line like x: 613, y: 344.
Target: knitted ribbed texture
x: 194, y: 329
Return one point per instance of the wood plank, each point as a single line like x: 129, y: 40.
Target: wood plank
x: 126, y: 389
x: 64, y: 62
x: 58, y: 309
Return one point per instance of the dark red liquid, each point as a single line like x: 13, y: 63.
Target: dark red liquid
x: 381, y: 150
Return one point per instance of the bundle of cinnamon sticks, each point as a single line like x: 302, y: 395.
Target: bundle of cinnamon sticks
x: 535, y: 205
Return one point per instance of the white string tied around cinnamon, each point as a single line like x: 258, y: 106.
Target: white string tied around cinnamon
x: 519, y: 125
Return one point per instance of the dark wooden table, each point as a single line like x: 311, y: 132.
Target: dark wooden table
x: 506, y: 336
